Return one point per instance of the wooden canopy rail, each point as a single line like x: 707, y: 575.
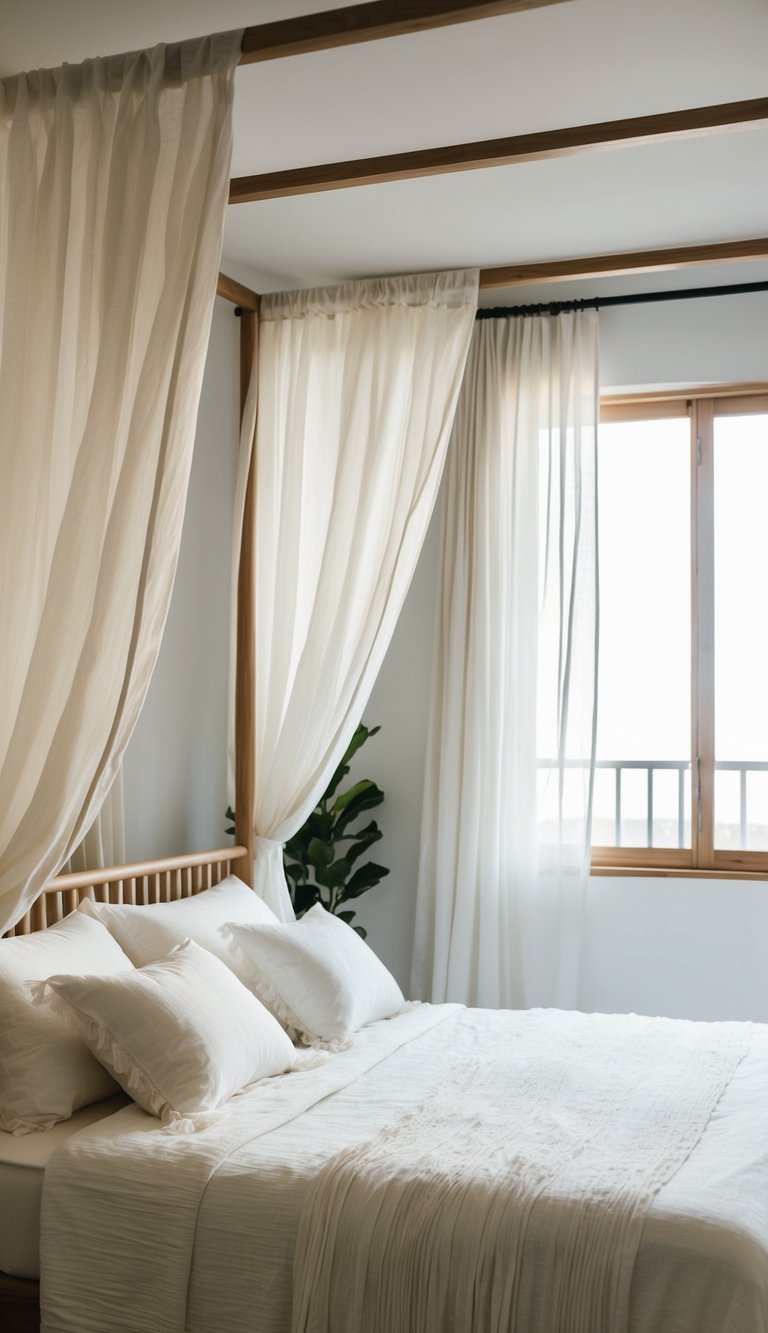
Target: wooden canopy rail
x: 573, y: 140
x: 238, y: 294
x: 570, y: 270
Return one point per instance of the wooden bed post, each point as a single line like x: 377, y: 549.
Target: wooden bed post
x: 245, y: 667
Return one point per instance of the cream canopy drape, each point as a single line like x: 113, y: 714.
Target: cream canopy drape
x: 113, y: 188
x: 510, y: 755
x: 356, y: 389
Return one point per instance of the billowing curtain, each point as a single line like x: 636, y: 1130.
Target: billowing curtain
x: 510, y: 758
x: 356, y: 390
x: 113, y: 189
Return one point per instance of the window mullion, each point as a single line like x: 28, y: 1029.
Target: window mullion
x: 703, y: 638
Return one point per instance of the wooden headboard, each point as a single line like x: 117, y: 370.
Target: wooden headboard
x: 141, y: 882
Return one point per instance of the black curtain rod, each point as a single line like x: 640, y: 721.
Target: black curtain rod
x: 633, y: 298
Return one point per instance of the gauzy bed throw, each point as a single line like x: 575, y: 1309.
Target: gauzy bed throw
x: 510, y: 753
x: 513, y: 1199
x: 113, y: 188
x: 356, y: 389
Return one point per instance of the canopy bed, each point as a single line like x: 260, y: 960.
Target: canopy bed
x: 369, y: 1164
x: 531, y: 1171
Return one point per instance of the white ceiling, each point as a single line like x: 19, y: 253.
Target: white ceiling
x: 567, y: 64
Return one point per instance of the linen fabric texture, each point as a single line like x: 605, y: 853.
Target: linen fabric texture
x: 113, y: 187
x: 180, y: 1036
x: 506, y: 825
x: 46, y: 1070
x: 317, y: 976
x: 148, y: 933
x: 104, y: 842
x: 356, y: 389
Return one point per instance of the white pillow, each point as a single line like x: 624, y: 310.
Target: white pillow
x: 317, y: 976
x: 46, y: 1072
x: 149, y: 933
x: 181, y: 1035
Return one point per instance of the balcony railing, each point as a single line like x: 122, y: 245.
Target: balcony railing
x: 679, y: 766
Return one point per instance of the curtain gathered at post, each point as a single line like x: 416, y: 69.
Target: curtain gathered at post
x: 510, y: 757
x: 356, y: 389
x: 113, y: 188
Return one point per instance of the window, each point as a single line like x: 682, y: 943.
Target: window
x: 681, y: 783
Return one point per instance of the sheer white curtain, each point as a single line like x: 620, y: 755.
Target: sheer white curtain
x: 356, y: 388
x: 507, y: 812
x: 104, y: 842
x: 113, y: 189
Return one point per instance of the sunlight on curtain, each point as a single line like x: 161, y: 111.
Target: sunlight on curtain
x: 510, y: 758
x: 357, y: 388
x: 113, y: 189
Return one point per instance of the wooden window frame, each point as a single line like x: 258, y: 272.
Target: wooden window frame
x: 702, y: 405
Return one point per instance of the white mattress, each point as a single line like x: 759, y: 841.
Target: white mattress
x: 23, y: 1159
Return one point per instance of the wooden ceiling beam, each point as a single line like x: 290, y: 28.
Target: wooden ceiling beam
x: 638, y: 261
x: 573, y: 140
x: 368, y: 23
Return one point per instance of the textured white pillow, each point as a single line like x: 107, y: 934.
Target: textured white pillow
x: 46, y: 1071
x: 148, y: 933
x: 181, y: 1035
x: 317, y: 976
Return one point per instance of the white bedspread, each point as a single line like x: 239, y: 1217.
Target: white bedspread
x: 512, y: 1200
x: 122, y: 1220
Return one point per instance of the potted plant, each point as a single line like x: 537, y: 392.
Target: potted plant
x: 322, y: 859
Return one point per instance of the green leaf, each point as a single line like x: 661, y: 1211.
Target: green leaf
x: 361, y: 932
x: 362, y: 841
x: 339, y: 775
x: 295, y: 873
x: 304, y: 896
x: 361, y: 735
x: 364, y: 878
x: 296, y: 847
x: 348, y: 796
x: 348, y: 917
x: 320, y: 825
x: 337, y: 873
x: 320, y: 853
x: 370, y: 796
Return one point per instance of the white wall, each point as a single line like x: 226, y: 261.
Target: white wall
x: 175, y: 764
x: 687, y: 948
x: 717, y: 340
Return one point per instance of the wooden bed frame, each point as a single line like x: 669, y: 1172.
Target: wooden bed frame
x: 143, y: 882
x: 139, y: 883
